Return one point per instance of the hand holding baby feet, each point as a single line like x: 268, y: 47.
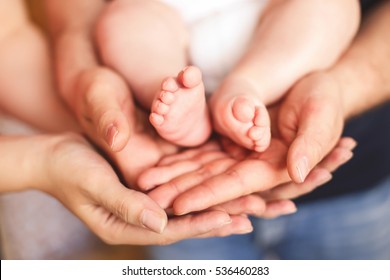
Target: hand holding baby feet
x: 257, y: 184
x: 239, y: 114
x: 179, y: 112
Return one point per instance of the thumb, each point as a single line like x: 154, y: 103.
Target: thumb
x: 106, y: 108
x: 319, y: 128
x: 134, y: 208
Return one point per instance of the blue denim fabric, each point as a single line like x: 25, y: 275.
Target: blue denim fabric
x: 355, y: 226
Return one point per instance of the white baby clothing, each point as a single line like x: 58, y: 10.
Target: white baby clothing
x: 219, y: 31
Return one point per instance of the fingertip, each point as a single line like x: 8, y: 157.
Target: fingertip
x: 117, y: 142
x: 321, y: 177
x: 289, y: 207
x: 298, y: 169
x: 222, y: 219
x: 347, y: 143
x: 302, y: 168
x: 179, y: 208
x: 179, y: 212
x: 193, y: 200
x: 299, y: 162
x: 115, y: 132
x: 352, y: 143
x: 111, y: 135
x: 279, y: 208
x: 241, y: 225
x: 144, y: 181
x: 162, y: 197
x: 347, y: 156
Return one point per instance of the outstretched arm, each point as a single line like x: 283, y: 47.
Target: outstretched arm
x: 364, y: 71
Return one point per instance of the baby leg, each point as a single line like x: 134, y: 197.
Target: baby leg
x: 146, y: 42
x: 292, y: 39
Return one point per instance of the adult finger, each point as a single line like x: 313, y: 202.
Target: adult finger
x: 257, y: 206
x: 164, y: 173
x: 165, y: 194
x: 340, y: 155
x: 249, y: 204
x: 240, y: 225
x: 132, y: 207
x: 105, y: 108
x: 178, y: 228
x: 189, y: 153
x: 210, y: 223
x: 243, y: 178
x: 275, y: 209
x: 155, y: 176
x: 318, y: 176
x: 315, y: 138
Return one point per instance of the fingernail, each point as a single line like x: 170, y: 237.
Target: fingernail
x: 303, y: 169
x: 153, y: 221
x: 226, y: 222
x: 245, y: 230
x: 111, y: 134
x: 290, y: 209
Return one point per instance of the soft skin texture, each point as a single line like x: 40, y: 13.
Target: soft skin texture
x: 357, y: 82
x: 45, y: 162
x: 153, y: 61
x: 155, y: 48
x: 26, y: 81
x: 215, y: 179
x: 282, y: 51
x: 93, y: 192
x: 344, y: 96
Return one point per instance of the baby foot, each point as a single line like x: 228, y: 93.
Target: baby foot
x: 179, y: 112
x: 241, y: 116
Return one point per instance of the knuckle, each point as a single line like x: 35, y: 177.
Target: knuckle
x: 122, y: 209
x: 125, y: 207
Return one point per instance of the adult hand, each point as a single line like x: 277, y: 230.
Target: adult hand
x: 104, y: 107
x: 103, y: 104
x: 310, y: 120
x: 86, y: 184
x: 99, y: 97
x: 203, y: 164
x: 309, y: 109
x: 277, y: 201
